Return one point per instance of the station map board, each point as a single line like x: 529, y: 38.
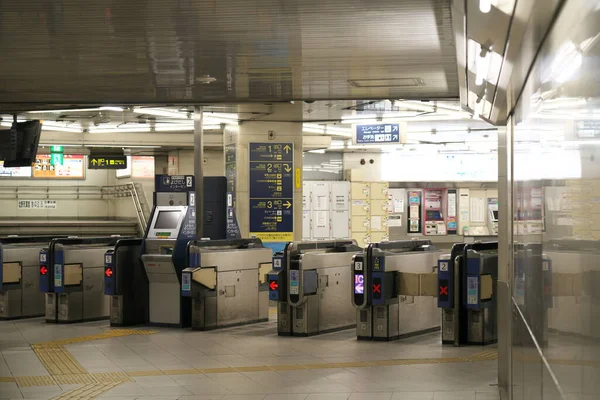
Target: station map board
x: 272, y: 191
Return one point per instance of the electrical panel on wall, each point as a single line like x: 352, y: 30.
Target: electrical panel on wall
x: 369, y: 211
x: 326, y: 210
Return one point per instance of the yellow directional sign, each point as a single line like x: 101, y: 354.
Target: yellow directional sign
x: 107, y: 162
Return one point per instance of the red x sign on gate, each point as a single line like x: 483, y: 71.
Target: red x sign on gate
x: 376, y: 288
x: 443, y: 290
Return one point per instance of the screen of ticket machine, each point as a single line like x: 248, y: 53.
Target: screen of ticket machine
x: 166, y: 222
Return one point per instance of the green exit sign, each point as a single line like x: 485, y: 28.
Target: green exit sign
x: 57, y: 159
x: 56, y: 149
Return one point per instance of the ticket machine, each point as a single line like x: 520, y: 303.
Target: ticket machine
x: 467, y: 283
x: 393, y: 289
x: 126, y: 283
x: 20, y: 296
x: 71, y: 276
x: 227, y: 282
x: 172, y: 225
x: 311, y: 281
x: 493, y: 218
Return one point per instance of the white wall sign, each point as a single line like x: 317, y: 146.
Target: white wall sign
x: 37, y: 204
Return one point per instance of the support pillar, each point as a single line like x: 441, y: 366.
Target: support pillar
x: 199, y: 171
x: 505, y: 256
x: 267, y: 186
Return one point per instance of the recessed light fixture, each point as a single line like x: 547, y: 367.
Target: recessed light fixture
x: 387, y: 82
x: 206, y: 79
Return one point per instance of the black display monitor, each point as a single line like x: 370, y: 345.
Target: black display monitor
x: 167, y: 220
x: 495, y: 215
x: 19, y: 144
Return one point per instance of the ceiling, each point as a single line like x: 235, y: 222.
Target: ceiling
x: 63, y: 53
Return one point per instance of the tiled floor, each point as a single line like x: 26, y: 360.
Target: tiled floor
x: 248, y: 363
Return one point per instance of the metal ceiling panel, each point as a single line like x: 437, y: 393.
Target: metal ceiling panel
x: 74, y: 52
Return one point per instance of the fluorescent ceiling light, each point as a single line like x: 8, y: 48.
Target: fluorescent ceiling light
x: 107, y: 108
x: 362, y: 116
x: 485, y: 6
x: 159, y: 112
x: 122, y: 146
x: 319, y: 151
x: 124, y: 130
x: 360, y: 121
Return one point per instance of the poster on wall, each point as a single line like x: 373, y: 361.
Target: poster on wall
x: 73, y: 167
x: 142, y: 166
x: 451, y: 214
x: 414, y: 212
x: 14, y: 172
x: 137, y: 167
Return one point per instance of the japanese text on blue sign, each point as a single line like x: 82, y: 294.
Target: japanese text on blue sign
x: 381, y: 133
x: 271, y: 191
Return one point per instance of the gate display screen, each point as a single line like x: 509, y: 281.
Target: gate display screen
x: 359, y: 284
x: 167, y: 220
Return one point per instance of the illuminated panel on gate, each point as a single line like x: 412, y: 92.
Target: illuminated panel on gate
x: 359, y: 284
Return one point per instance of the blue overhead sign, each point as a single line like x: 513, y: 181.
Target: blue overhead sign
x: 380, y: 133
x: 272, y: 191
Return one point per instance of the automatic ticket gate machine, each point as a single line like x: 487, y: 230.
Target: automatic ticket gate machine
x: 20, y: 296
x: 172, y: 225
x: 393, y: 289
x: 467, y: 282
x: 311, y: 283
x: 72, y: 277
x: 226, y: 281
x: 126, y: 284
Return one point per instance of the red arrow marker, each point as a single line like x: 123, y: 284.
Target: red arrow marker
x: 108, y: 272
x: 273, y: 285
x: 43, y: 270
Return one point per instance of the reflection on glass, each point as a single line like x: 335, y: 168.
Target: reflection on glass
x: 556, y: 221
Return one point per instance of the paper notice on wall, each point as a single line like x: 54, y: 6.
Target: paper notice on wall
x: 414, y: 212
x: 398, y: 205
x: 376, y: 223
x: 395, y: 221
x: 451, y: 204
x: 321, y: 203
x: 414, y: 225
x: 321, y: 219
x: 477, y: 209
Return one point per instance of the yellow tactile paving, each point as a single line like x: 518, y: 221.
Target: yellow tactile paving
x: 113, y: 333
x: 87, y: 392
x: 485, y: 356
x: 6, y: 379
x: 181, y: 372
x: 106, y: 377
x: 32, y: 381
x: 57, y: 360
x: 81, y: 379
x: 145, y: 373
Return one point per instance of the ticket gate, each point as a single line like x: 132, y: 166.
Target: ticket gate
x: 226, y: 282
x: 73, y: 279
x: 311, y: 284
x: 171, y: 227
x: 126, y: 284
x: 467, y: 282
x: 393, y: 289
x: 19, y: 269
